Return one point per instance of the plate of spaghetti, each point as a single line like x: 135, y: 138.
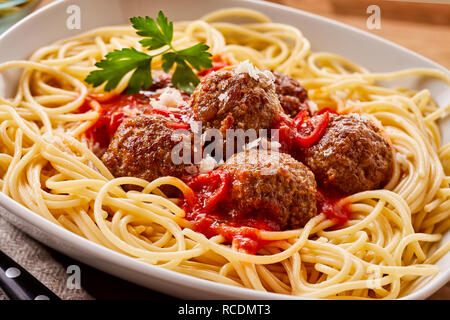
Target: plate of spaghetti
x: 234, y: 150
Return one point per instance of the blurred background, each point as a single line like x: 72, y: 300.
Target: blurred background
x: 420, y: 25
x: 12, y: 11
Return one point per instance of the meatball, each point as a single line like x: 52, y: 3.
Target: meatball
x: 292, y: 95
x: 273, y: 186
x: 142, y: 147
x: 351, y: 156
x: 236, y: 100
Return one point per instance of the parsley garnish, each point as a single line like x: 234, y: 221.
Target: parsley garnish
x: 157, y: 34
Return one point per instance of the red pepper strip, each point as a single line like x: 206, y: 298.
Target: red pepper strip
x: 337, y: 209
x: 161, y: 112
x: 178, y: 125
x: 166, y: 113
x: 319, y: 130
x: 300, y: 118
x: 329, y: 110
x: 287, y: 133
x: 208, y: 199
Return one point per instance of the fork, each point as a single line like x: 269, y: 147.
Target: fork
x: 19, y: 284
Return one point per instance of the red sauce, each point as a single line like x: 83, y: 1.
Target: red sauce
x: 329, y: 110
x: 205, y: 72
x: 333, y: 207
x: 212, y: 215
x: 112, y: 112
x: 177, y: 118
x: 245, y: 235
x: 219, y: 62
x: 303, y: 131
x: 113, y: 109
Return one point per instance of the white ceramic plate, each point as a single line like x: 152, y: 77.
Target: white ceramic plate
x: 49, y: 24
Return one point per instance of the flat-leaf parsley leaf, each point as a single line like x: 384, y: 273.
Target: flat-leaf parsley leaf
x: 157, y: 34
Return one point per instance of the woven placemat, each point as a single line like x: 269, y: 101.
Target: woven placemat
x: 52, y: 269
x: 38, y: 260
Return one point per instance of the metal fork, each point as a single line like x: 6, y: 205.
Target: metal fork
x: 19, y: 284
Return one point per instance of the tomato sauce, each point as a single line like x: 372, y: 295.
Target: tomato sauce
x: 113, y: 109
x: 219, y: 62
x: 245, y: 234
x: 213, y: 215
x: 205, y: 72
x: 333, y: 206
x: 112, y: 112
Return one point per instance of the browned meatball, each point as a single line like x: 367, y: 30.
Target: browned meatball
x: 351, y: 156
x: 291, y: 93
x: 274, y: 185
x: 232, y: 100
x: 142, y: 147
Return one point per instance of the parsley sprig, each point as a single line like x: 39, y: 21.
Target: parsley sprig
x: 157, y: 34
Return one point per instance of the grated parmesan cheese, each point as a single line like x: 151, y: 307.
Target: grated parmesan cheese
x: 263, y: 144
x: 223, y: 97
x: 252, y: 144
x: 254, y: 72
x: 169, y: 98
x: 312, y: 106
x: 208, y: 164
x: 196, y: 126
